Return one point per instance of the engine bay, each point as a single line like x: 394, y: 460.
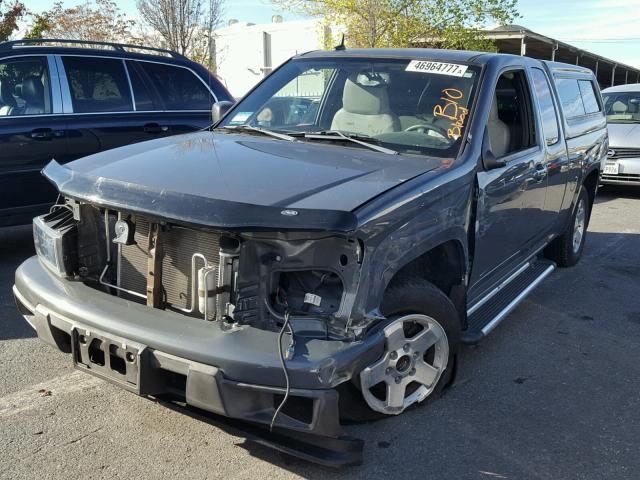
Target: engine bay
x: 236, y: 278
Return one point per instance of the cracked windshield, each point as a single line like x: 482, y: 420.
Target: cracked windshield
x: 402, y: 105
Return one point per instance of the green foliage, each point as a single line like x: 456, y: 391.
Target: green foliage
x: 40, y: 27
x: 9, y: 17
x: 408, y: 23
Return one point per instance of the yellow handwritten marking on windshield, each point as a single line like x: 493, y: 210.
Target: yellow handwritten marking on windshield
x: 452, y: 110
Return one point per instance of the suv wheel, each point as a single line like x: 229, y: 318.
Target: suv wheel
x: 566, y: 250
x: 421, y: 343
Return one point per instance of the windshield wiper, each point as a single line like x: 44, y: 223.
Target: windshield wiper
x: 264, y: 131
x: 355, y: 138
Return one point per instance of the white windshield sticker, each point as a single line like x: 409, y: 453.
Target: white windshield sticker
x: 438, y: 68
x: 240, y: 118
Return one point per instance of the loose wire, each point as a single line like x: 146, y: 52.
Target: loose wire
x: 285, y: 325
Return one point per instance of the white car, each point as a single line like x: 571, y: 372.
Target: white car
x: 622, y: 106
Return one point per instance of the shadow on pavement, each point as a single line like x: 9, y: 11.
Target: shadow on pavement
x: 16, y: 245
x: 608, y: 193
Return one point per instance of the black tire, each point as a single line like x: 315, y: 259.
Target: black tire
x: 561, y: 250
x: 409, y: 296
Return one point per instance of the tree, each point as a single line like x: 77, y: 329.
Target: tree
x: 40, y: 27
x: 407, y: 23
x: 9, y: 19
x: 101, y: 20
x: 186, y: 26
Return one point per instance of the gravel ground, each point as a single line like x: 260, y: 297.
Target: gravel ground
x: 551, y: 394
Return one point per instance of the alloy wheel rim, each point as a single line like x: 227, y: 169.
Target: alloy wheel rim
x: 410, y: 367
x: 578, y: 227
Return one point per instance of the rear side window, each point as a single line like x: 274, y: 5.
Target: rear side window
x: 179, y: 88
x: 589, y: 99
x: 97, y: 84
x: 578, y: 97
x: 547, y: 108
x: 142, y: 96
x: 570, y: 97
x: 24, y: 87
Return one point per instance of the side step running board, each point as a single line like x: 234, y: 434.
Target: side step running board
x: 486, y: 314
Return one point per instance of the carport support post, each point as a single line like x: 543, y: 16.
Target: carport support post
x: 626, y: 77
x: 553, y: 52
x: 613, y: 74
x: 523, y: 46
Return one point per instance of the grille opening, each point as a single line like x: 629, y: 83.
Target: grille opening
x: 116, y: 362
x: 298, y: 408
x: 96, y: 354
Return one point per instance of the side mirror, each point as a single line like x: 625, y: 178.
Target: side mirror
x: 489, y: 160
x: 220, y: 109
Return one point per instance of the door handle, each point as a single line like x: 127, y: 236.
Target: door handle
x: 41, y: 133
x: 541, y: 172
x: 155, y: 128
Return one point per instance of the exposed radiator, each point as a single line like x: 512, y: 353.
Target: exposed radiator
x: 179, y: 245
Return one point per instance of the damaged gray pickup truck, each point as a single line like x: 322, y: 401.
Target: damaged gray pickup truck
x: 320, y: 254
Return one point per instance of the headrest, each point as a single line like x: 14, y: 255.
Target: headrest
x: 33, y: 91
x: 6, y: 96
x: 17, y: 91
x: 619, y: 107
x: 364, y: 96
x: 493, y: 114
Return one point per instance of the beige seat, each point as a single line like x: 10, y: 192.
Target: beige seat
x: 365, y: 110
x: 499, y: 132
x: 619, y: 108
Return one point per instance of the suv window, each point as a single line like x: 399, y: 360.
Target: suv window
x: 511, y: 125
x: 547, y: 108
x: 24, y: 87
x: 179, y: 88
x: 141, y: 94
x: 97, y: 84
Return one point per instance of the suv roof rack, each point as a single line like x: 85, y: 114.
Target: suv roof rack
x: 120, y: 47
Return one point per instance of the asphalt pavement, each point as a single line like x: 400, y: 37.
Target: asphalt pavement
x: 552, y: 393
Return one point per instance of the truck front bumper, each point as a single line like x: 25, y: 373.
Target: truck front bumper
x: 235, y: 373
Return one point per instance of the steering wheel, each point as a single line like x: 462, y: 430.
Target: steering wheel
x: 424, y: 128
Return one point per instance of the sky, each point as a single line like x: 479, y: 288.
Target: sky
x: 607, y: 27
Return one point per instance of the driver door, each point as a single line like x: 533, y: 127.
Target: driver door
x: 511, y: 199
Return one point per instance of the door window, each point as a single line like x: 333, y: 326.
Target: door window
x: 511, y: 126
x: 180, y: 89
x: 24, y: 87
x: 547, y: 108
x: 97, y: 84
x: 141, y: 93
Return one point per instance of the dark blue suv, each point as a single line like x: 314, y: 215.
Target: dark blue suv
x: 67, y: 99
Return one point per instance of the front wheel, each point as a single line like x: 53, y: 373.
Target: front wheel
x: 421, y: 344
x: 567, y: 249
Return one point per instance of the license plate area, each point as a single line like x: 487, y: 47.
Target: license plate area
x: 110, y: 358
x: 611, y: 169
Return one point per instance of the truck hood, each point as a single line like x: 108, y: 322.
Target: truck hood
x: 624, y: 135
x: 238, y: 180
